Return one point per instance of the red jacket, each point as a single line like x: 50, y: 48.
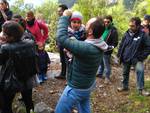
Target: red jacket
x: 39, y: 31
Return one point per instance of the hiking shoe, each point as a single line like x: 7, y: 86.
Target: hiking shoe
x: 100, y: 76
x: 45, y: 78
x: 144, y: 93
x: 60, y: 77
x: 121, y: 89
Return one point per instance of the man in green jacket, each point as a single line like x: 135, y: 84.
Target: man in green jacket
x: 81, y: 77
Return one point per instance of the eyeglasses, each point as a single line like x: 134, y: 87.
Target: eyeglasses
x: 132, y: 26
x: 107, y: 22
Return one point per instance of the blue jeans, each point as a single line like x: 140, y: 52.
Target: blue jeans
x: 105, y: 66
x: 71, y: 98
x: 139, y: 69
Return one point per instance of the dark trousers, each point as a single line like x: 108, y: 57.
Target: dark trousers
x: 1, y: 98
x: 63, y: 62
x: 8, y: 97
x: 139, y: 69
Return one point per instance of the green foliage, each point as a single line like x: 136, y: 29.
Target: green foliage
x: 20, y: 7
x: 142, y: 7
x: 139, y: 104
x: 49, y: 11
x: 92, y: 8
x: 129, y: 4
x: 89, y: 9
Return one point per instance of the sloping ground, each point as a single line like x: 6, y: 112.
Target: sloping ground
x: 105, y: 99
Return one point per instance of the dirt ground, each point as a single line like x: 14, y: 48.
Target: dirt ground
x: 105, y: 98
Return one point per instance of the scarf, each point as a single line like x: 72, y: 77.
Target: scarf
x: 31, y: 22
x: 106, y: 32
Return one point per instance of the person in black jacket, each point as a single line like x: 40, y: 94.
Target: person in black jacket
x: 133, y: 50
x: 146, y: 24
x: 43, y: 62
x: 63, y: 59
x: 5, y: 12
x: 110, y: 36
x: 17, y: 58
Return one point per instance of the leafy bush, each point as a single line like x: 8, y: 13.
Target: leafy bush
x: 89, y: 9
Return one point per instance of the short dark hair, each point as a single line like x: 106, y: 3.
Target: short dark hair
x: 13, y: 29
x: 63, y: 6
x: 108, y: 17
x: 21, y: 21
x: 137, y: 20
x: 147, y: 17
x: 98, y: 27
x: 30, y: 13
x: 17, y: 16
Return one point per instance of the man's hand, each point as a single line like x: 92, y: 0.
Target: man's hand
x: 67, y: 13
x: 110, y: 48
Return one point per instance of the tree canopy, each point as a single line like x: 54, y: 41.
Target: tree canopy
x: 121, y: 11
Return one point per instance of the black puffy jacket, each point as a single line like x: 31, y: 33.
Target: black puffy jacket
x: 112, y: 39
x: 23, y: 55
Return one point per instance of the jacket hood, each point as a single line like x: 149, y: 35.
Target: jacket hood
x: 98, y: 43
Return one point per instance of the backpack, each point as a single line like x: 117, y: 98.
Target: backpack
x: 28, y: 35
x: 25, y: 64
x: 20, y: 66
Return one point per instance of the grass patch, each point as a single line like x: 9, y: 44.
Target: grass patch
x: 138, y: 103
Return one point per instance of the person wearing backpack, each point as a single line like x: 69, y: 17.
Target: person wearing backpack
x: 17, y: 58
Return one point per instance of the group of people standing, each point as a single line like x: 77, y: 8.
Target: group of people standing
x: 92, y: 56
x: 22, y: 56
x: 85, y: 51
